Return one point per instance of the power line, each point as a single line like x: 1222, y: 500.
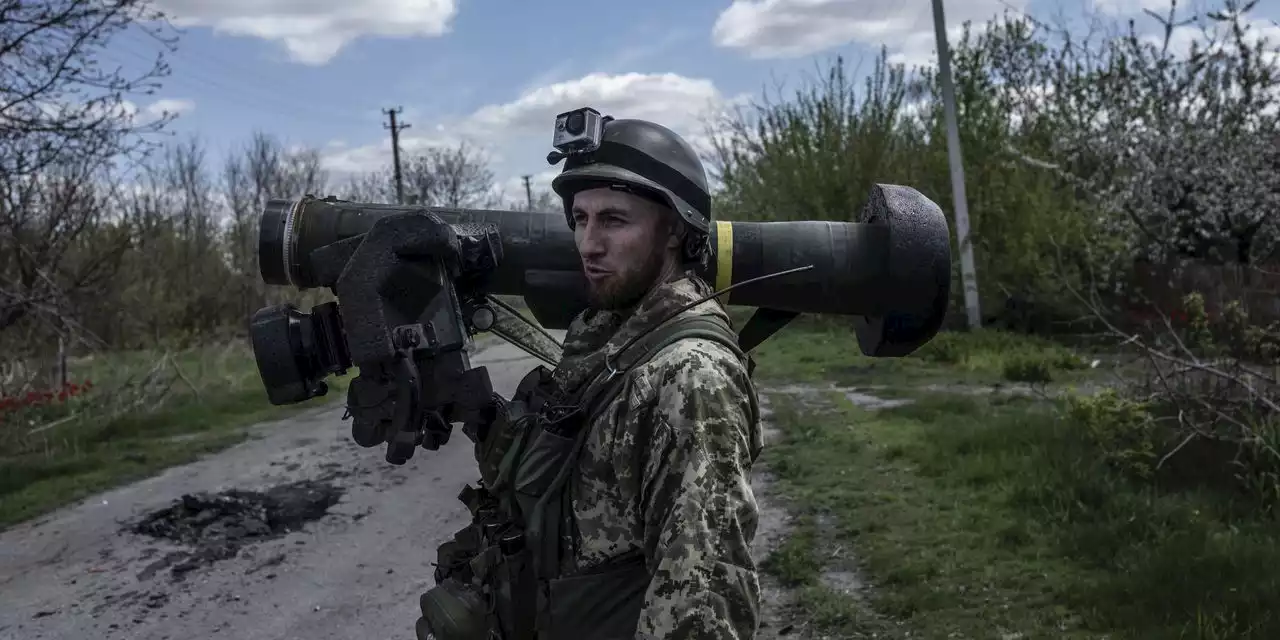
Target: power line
x: 254, y: 96
x: 396, y: 128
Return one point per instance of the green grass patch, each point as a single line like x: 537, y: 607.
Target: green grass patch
x: 827, y: 349
x: 129, y: 427
x: 798, y: 563
x: 795, y: 561
x: 975, y: 517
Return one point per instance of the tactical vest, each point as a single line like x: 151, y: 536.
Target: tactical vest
x: 508, y: 576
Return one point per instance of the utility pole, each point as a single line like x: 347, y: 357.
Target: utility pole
x: 528, y: 191
x: 967, y: 271
x: 396, y: 128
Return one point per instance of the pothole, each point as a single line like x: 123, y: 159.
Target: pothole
x: 215, y: 526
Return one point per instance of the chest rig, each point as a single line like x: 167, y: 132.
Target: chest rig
x: 510, y: 576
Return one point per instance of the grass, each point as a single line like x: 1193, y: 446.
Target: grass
x: 981, y: 516
x: 40, y: 472
x: 827, y: 350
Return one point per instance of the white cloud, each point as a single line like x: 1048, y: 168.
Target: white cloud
x: 151, y: 112
x: 124, y: 109
x: 675, y: 101
x: 1256, y: 31
x: 644, y: 45
x: 1129, y: 7
x: 171, y: 106
x: 315, y: 31
x: 516, y: 135
x: 343, y: 159
x: 1194, y: 27
x: 921, y: 48
x: 765, y: 29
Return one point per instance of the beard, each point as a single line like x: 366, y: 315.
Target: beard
x: 625, y: 288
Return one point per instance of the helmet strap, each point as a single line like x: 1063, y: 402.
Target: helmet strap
x: 696, y: 248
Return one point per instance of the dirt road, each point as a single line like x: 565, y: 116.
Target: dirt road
x: 360, y: 552
x: 355, y: 572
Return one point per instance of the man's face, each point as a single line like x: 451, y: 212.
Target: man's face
x: 624, y: 241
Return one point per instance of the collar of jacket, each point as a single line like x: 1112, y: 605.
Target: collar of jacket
x: 593, y: 335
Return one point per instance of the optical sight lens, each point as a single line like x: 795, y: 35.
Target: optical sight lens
x: 577, y: 122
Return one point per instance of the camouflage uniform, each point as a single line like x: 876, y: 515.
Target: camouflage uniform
x: 613, y: 506
x: 666, y: 471
x: 635, y: 524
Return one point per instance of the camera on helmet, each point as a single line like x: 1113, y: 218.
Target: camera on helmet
x: 578, y: 131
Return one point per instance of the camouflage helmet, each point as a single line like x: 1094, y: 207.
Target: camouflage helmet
x: 646, y: 156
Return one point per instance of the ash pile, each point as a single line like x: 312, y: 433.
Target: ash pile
x: 217, y: 525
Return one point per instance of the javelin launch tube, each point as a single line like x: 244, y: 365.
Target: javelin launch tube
x: 852, y: 271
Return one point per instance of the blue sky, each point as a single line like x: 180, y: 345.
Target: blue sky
x: 495, y: 72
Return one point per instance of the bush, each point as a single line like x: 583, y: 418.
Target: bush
x: 1035, y: 370
x: 1122, y: 429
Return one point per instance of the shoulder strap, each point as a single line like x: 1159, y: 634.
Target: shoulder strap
x: 645, y: 349
x: 609, y: 382
x: 677, y: 329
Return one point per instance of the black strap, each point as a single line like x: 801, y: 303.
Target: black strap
x: 763, y: 324
x: 707, y: 327
x: 608, y: 384
x: 760, y: 326
x: 674, y: 330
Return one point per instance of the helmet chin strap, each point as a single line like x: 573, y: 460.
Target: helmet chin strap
x: 696, y: 246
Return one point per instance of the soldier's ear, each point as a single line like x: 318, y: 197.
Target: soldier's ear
x: 675, y: 230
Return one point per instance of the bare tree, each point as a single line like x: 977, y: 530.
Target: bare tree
x: 197, y: 274
x: 58, y: 102
x: 450, y: 177
x: 173, y: 280
x: 267, y: 169
x: 374, y: 186
x: 57, y: 241
x: 437, y: 176
x: 192, y: 269
x: 546, y: 201
x: 65, y: 122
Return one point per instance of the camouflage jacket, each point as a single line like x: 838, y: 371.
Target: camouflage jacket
x: 666, y: 470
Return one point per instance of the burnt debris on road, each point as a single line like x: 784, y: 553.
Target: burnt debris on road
x: 217, y: 525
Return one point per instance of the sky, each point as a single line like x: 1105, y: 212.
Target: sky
x: 494, y: 73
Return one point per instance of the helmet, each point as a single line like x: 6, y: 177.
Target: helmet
x: 645, y: 155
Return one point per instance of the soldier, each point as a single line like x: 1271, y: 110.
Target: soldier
x: 615, y: 499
